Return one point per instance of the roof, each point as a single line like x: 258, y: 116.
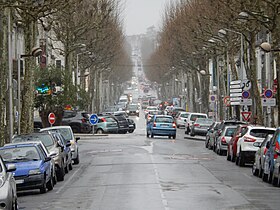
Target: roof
x: 55, y: 127
x: 26, y: 143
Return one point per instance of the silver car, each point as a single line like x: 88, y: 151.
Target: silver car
x: 8, y: 190
x: 224, y: 138
x: 200, y: 126
x: 68, y: 135
x: 181, y: 118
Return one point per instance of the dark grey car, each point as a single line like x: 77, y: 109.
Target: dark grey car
x: 200, y: 126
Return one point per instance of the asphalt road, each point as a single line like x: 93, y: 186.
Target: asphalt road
x: 132, y: 172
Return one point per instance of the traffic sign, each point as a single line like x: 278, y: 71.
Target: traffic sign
x: 235, y: 92
x: 246, y: 84
x: 51, y: 118
x: 93, y: 119
x: 268, y: 93
x: 246, y: 115
x: 245, y: 94
x: 246, y: 102
x: 268, y: 102
x: 212, y: 98
x: 227, y: 101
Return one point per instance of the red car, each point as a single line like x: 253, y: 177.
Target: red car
x: 232, y: 145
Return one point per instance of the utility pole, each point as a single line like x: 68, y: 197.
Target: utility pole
x: 10, y: 81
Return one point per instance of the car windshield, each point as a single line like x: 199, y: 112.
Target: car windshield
x: 65, y: 132
x: 19, y: 154
x: 151, y: 108
x: 133, y: 107
x: 164, y: 120
x: 230, y: 131
x: 184, y: 115
x: 261, y: 133
x: 204, y: 121
x: 45, y: 139
x: 195, y: 116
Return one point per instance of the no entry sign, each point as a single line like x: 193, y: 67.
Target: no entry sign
x: 51, y: 118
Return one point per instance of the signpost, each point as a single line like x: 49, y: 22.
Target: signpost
x: 93, y: 119
x: 246, y: 116
x: 51, y: 118
x: 235, y: 92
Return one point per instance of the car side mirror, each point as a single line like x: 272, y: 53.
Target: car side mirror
x: 257, y: 144
x: 47, y: 159
x: 267, y: 144
x: 53, y: 154
x: 68, y: 144
x: 78, y: 138
x: 11, y: 167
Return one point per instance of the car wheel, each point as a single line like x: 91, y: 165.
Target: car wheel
x: 66, y: 168
x: 99, y: 131
x: 264, y: 176
x: 77, y: 160
x: 54, y: 179
x: 274, y: 180
x: 269, y: 177
x: 148, y: 135
x: 241, y: 161
x: 255, y: 171
x: 50, y: 184
x: 70, y: 165
x: 260, y: 173
x: 152, y: 135
x: 278, y: 180
x: 43, y: 188
x: 228, y: 156
x: 60, y: 174
x: 237, y: 159
x: 174, y: 136
x: 130, y: 131
x: 15, y: 205
x: 233, y: 157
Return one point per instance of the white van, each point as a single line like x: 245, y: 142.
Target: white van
x: 191, y: 118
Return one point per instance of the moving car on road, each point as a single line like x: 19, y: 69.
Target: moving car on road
x: 161, y: 125
x: 132, y: 110
x: 8, y: 190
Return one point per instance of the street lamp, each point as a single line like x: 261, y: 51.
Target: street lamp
x: 266, y: 47
x: 35, y: 52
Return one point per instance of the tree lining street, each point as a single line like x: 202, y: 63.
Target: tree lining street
x: 133, y: 172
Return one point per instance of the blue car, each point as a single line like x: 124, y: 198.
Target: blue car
x: 161, y: 125
x: 33, y: 166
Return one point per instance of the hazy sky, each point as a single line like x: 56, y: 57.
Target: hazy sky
x: 140, y: 14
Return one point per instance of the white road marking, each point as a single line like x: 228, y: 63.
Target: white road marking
x: 70, y: 178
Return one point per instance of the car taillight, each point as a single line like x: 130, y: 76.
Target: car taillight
x: 275, y: 156
x: 264, y: 151
x: 103, y: 120
x: 84, y: 120
x: 155, y: 125
x: 174, y: 125
x: 248, y: 139
x: 196, y: 125
x: 223, y: 140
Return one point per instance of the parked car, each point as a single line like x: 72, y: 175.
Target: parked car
x: 211, y: 134
x: 161, y: 125
x: 8, y: 191
x: 224, y: 138
x: 180, y: 118
x: 131, y: 125
x: 67, y: 133
x: 191, y: 118
x: 33, y: 166
x: 106, y: 124
x: 77, y: 120
x: 245, y: 148
x: 200, y: 126
x: 232, y: 145
x: 258, y: 165
x: 53, y: 147
x: 123, y: 126
x: 132, y: 110
x: 271, y: 160
x: 221, y: 127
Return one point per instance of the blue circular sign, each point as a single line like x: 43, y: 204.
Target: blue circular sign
x: 268, y: 93
x: 245, y: 94
x: 93, y: 119
x: 213, y: 98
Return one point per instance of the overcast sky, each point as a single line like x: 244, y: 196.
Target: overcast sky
x: 140, y: 14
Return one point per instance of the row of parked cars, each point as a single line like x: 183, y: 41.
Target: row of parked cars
x: 243, y: 143
x: 36, y: 161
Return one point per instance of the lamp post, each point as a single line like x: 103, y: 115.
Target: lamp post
x: 266, y: 47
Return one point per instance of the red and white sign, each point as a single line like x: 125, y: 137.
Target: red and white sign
x: 227, y: 101
x: 246, y: 115
x: 51, y: 118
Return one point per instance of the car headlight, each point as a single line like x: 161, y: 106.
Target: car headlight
x: 34, y: 171
x: 137, y: 111
x: 127, y: 111
x: 1, y: 181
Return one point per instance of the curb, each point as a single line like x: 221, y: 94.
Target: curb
x: 194, y: 138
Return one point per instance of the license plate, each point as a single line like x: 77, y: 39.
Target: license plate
x: 19, y: 181
x: 164, y: 126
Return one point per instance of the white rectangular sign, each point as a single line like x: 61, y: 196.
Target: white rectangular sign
x: 235, y: 82
x: 246, y: 102
x: 235, y: 87
x: 235, y: 90
x: 232, y: 95
x: 268, y: 102
x: 234, y: 103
